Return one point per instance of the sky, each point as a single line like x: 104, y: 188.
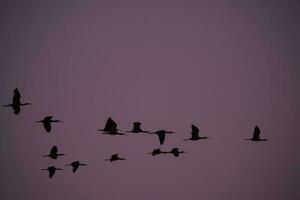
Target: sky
x: 224, y: 66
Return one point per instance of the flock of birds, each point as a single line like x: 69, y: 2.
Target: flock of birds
x: 111, y: 129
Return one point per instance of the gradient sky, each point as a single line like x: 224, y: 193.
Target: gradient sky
x: 225, y: 66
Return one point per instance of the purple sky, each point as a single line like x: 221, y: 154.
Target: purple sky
x: 225, y: 66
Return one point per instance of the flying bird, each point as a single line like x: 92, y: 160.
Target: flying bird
x: 47, y: 122
x: 256, y: 134
x: 111, y: 128
x: 53, y: 153
x: 16, y: 102
x: 195, y: 134
x: 162, y: 135
x: 137, y: 128
x: 157, y: 152
x: 75, y: 165
x: 114, y: 157
x: 52, y: 170
x: 176, y: 152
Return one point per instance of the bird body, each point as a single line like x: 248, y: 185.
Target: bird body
x: 256, y: 135
x: 51, y: 170
x: 161, y: 135
x: 137, y: 128
x: 195, y: 134
x: 75, y: 165
x: 53, y: 153
x: 47, y: 122
x: 157, y: 152
x: 114, y: 157
x: 16, y: 102
x: 110, y: 128
x: 176, y: 152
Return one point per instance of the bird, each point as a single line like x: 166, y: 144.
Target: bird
x: 47, y: 123
x: 256, y: 134
x: 52, y: 170
x: 157, y: 152
x: 111, y: 128
x: 176, y: 152
x: 161, y: 135
x: 137, y: 128
x: 114, y: 157
x: 75, y: 165
x: 53, y: 153
x: 16, y: 102
x: 195, y: 134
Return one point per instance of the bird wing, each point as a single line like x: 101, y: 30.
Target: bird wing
x: 195, y: 131
x: 53, y: 150
x: 161, y: 137
x: 47, y: 126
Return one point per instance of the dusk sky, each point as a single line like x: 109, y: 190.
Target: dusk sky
x: 224, y: 66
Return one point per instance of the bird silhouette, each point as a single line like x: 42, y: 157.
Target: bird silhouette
x: 52, y: 170
x: 161, y: 135
x: 157, y: 152
x: 16, y: 102
x: 256, y: 136
x: 176, y: 152
x: 53, y: 153
x: 195, y: 134
x: 47, y: 122
x: 114, y: 157
x: 111, y: 128
x: 75, y: 165
x: 137, y: 128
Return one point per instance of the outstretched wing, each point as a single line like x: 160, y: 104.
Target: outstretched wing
x: 161, y: 137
